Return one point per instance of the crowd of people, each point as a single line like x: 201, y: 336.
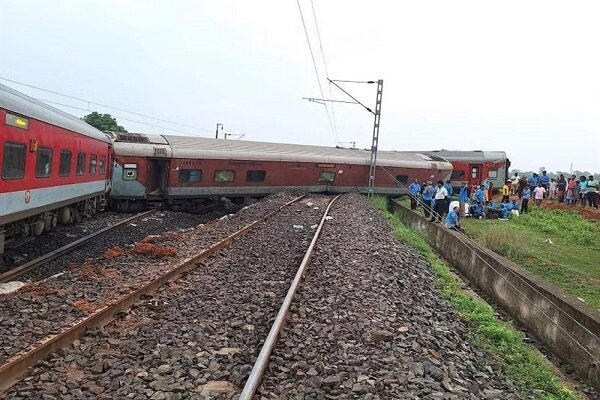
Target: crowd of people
x: 439, y: 201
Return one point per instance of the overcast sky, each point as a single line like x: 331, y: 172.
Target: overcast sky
x: 519, y: 76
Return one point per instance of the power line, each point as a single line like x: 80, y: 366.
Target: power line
x: 312, y: 55
x: 89, y: 102
x: 116, y: 116
x: 312, y: 4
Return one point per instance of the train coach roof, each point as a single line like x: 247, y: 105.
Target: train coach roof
x: 473, y: 155
x: 198, y: 147
x: 19, y: 103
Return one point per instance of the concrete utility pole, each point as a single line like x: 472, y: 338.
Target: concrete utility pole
x: 217, y: 131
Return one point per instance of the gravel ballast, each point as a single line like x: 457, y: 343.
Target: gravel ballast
x: 114, y: 268
x: 367, y: 323
x: 197, y: 336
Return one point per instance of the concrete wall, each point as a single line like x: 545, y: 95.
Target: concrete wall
x: 568, y: 327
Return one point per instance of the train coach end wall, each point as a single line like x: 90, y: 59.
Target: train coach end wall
x: 569, y: 328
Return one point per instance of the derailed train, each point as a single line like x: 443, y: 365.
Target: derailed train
x: 56, y: 168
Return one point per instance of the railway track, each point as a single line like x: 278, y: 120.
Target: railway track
x: 16, y: 272
x: 14, y: 368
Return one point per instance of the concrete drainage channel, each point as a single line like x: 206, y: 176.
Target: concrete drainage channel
x: 569, y: 328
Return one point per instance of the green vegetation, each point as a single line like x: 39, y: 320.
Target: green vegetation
x: 558, y: 246
x: 104, y: 122
x: 499, y: 339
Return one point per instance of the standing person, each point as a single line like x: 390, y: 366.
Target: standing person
x: 449, y: 189
x: 533, y: 181
x: 545, y: 181
x: 582, y: 190
x: 538, y: 194
x: 571, y: 185
x: 453, y: 220
x: 506, y: 192
x: 463, y: 197
x: 440, y: 202
x: 525, y: 196
x: 552, y: 190
x: 522, y: 184
x: 427, y: 197
x: 479, y: 195
x: 514, y: 184
x: 561, y: 187
x: 592, y: 192
x: 414, y: 189
x: 576, y: 193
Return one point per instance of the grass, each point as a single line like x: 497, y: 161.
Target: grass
x: 518, y: 361
x: 558, y: 246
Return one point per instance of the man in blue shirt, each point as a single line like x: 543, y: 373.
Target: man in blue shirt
x: 476, y: 211
x: 453, y: 220
x: 479, y: 195
x: 427, y: 197
x: 414, y: 189
x: 449, y: 189
x: 533, y: 181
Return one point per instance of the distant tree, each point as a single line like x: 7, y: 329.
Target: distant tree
x: 104, y: 122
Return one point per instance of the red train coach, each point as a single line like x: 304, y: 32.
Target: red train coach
x: 182, y: 171
x: 54, y: 166
x: 476, y: 167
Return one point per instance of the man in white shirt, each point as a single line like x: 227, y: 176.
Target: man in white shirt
x: 440, y: 203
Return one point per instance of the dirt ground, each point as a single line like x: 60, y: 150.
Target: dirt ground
x: 587, y: 212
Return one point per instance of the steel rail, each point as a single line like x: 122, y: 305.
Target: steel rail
x: 30, y: 265
x: 262, y: 361
x: 16, y: 367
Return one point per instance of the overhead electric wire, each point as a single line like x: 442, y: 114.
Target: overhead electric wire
x: 116, y: 116
x: 312, y: 55
x: 89, y: 102
x: 312, y: 4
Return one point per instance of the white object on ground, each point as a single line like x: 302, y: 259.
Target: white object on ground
x: 298, y: 226
x: 10, y: 287
x: 328, y: 218
x: 548, y: 241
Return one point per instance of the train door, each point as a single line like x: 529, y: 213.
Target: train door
x: 475, y: 174
x: 157, y: 178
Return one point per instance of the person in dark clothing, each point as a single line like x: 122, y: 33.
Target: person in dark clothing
x: 561, y: 187
x: 525, y: 196
x: 440, y: 203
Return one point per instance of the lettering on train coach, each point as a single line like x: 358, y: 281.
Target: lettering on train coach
x: 160, y: 151
x: 245, y: 163
x: 17, y: 122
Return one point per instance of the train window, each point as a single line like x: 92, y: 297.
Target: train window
x: 256, y: 176
x: 190, y: 175
x: 93, y: 164
x: 403, y: 179
x: 43, y: 165
x: 493, y: 173
x: 130, y: 172
x: 326, y: 176
x: 80, y: 164
x: 457, y: 175
x: 224, y: 176
x: 13, y: 164
x: 102, y: 165
x: 64, y: 167
x: 475, y: 172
